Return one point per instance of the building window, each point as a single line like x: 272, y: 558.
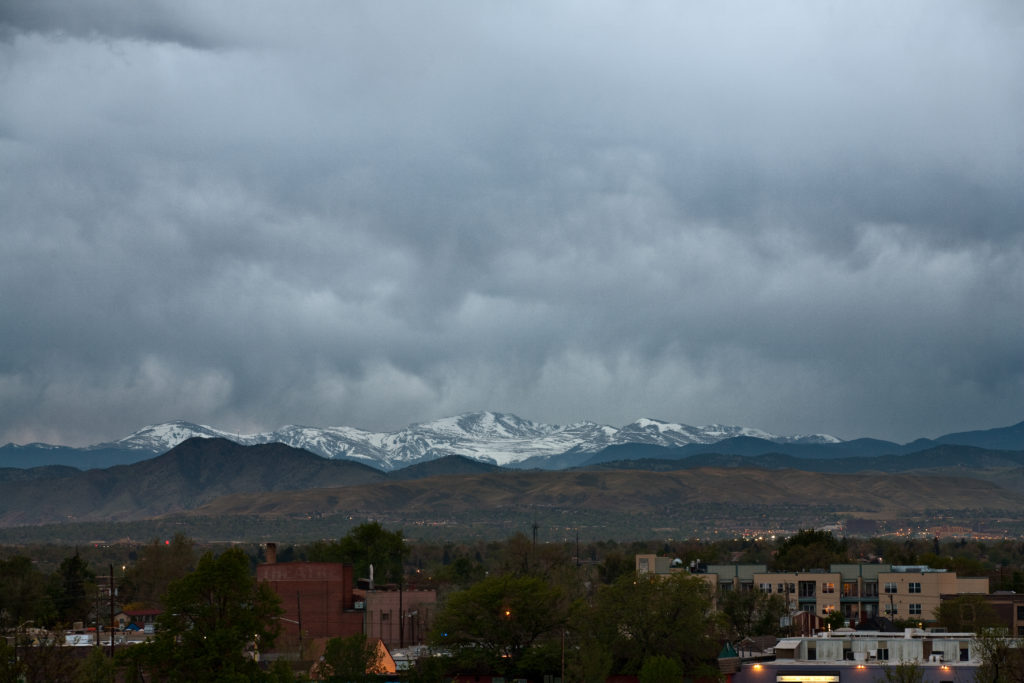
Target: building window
x: 849, y: 589
x: 890, y: 587
x: 807, y: 589
x: 807, y: 608
x: 914, y: 587
x: 883, y: 653
x: 1020, y: 612
x: 766, y: 588
x: 828, y: 609
x: 914, y: 608
x: 828, y: 587
x: 725, y: 586
x: 870, y: 589
x: 965, y: 654
x: 644, y: 565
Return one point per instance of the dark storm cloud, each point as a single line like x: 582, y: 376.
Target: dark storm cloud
x: 802, y: 218
x: 104, y: 20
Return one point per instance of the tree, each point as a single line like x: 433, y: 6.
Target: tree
x: 367, y: 544
x: 967, y: 614
x: 640, y: 617
x: 660, y: 669
x: 810, y: 549
x: 904, y: 672
x: 1002, y: 659
x: 71, y: 592
x: 504, y: 624
x: 23, y: 594
x: 353, y: 659
x: 160, y: 563
x: 96, y: 668
x: 212, y: 617
x: 751, y: 613
x: 834, y: 620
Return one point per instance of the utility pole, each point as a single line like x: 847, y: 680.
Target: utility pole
x: 111, y: 612
x: 298, y: 610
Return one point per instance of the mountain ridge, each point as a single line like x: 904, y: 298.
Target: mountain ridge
x: 499, y: 439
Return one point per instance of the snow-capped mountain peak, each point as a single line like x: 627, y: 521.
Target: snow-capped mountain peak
x: 499, y: 438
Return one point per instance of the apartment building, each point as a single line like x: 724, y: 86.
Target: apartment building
x: 859, y: 591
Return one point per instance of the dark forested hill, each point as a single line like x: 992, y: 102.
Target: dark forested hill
x: 195, y: 472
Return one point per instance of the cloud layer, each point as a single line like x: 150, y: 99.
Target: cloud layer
x: 803, y: 217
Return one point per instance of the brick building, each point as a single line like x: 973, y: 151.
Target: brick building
x: 398, y: 618
x: 316, y: 595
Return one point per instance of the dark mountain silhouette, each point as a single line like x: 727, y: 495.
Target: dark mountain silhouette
x: 1001, y: 438
x: 195, y: 472
x: 444, y: 466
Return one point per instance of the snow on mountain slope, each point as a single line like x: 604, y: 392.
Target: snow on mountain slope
x: 492, y: 437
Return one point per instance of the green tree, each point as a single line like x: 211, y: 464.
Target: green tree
x: 72, y: 589
x: 904, y: 672
x: 462, y: 573
x: 616, y: 564
x: 160, y: 563
x: 640, y: 617
x: 96, y: 668
x: 751, y: 613
x: 660, y: 669
x: 835, y: 619
x: 810, y: 549
x: 354, y: 659
x: 23, y: 594
x: 1002, y: 659
x: 212, y: 619
x: 502, y: 623
x: 967, y: 614
x: 367, y: 544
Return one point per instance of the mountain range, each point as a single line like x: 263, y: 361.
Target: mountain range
x: 500, y: 439
x: 505, y: 440
x: 219, y: 479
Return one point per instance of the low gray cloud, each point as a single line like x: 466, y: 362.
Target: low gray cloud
x: 802, y: 218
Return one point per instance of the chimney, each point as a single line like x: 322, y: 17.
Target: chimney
x: 271, y: 553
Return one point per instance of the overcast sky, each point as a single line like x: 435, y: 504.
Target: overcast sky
x: 795, y: 216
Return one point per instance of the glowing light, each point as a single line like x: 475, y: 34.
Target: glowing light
x: 757, y: 667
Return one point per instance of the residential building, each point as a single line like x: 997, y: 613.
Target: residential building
x: 861, y: 591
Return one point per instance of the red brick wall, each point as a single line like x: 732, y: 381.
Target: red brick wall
x: 323, y: 590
